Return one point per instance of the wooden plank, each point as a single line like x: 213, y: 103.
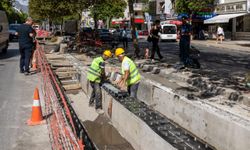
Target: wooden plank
x: 72, y: 87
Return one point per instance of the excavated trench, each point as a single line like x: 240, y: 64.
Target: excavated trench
x: 167, y: 129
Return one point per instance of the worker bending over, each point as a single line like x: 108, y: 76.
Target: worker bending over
x: 96, y: 74
x: 130, y: 74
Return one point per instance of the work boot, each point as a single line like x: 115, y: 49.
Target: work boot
x: 91, y: 102
x: 26, y: 73
x: 99, y: 111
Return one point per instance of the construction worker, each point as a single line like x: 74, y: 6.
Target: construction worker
x: 96, y: 74
x: 131, y: 76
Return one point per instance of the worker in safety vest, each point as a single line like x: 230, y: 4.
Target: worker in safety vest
x: 96, y: 74
x: 130, y: 74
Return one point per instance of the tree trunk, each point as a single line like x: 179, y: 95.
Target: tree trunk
x: 96, y: 26
x: 62, y: 26
x: 132, y: 18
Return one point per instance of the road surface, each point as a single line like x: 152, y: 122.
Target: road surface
x: 16, y: 95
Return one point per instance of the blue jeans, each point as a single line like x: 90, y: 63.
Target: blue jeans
x: 132, y: 90
x: 25, y: 52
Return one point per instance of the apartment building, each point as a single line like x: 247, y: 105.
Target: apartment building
x: 234, y: 17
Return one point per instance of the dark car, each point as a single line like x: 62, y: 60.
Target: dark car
x: 86, y: 33
x: 12, y: 30
x: 104, y: 35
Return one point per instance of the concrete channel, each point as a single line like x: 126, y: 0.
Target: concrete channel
x: 192, y: 124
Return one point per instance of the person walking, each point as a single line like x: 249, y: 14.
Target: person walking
x: 185, y: 37
x: 130, y: 74
x: 125, y: 38
x: 25, y: 38
x: 220, y: 34
x: 156, y: 29
x: 95, y: 75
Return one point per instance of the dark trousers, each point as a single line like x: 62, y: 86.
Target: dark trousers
x: 155, y: 48
x: 184, y: 48
x: 132, y: 90
x: 25, y: 53
x: 125, y: 42
x: 96, y: 95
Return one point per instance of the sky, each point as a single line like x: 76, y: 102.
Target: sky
x: 23, y: 2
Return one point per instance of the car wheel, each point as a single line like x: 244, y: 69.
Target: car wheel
x: 6, y: 47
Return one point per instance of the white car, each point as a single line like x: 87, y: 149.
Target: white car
x: 169, y: 32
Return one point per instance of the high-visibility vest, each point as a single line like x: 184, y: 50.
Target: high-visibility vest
x: 134, y: 75
x: 94, y: 72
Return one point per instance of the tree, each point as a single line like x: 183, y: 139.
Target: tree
x: 192, y: 6
x: 56, y: 10
x: 108, y: 9
x: 12, y: 14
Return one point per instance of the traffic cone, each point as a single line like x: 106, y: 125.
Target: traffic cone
x: 36, y: 116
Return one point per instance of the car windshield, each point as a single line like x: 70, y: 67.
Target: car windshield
x: 14, y: 27
x: 104, y: 30
x: 169, y: 30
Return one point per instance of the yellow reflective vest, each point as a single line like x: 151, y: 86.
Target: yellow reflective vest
x: 94, y: 72
x: 134, y: 75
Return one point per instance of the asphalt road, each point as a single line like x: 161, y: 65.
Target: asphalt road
x: 16, y: 95
x: 227, y: 66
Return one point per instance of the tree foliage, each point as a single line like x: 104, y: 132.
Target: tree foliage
x: 12, y: 14
x: 54, y: 9
x: 108, y: 9
x: 192, y: 6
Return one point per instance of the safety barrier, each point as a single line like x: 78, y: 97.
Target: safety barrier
x: 65, y: 128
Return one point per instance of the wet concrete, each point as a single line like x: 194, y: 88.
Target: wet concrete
x: 105, y: 136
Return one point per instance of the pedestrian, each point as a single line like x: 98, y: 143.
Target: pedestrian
x: 220, y: 34
x: 130, y: 74
x: 96, y: 75
x: 25, y: 38
x: 185, y: 37
x: 125, y: 38
x: 156, y: 29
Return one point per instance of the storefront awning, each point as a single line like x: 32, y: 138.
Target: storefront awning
x: 222, y: 18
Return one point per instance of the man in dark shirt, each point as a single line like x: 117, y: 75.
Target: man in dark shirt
x: 25, y: 38
x: 185, y: 35
x: 156, y: 29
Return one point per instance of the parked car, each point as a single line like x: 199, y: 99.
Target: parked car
x: 12, y: 31
x: 36, y: 27
x: 169, y: 32
x: 104, y: 35
x: 4, y: 32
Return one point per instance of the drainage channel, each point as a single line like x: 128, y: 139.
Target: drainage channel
x: 167, y: 129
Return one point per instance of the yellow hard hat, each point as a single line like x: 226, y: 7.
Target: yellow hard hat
x: 107, y: 53
x: 119, y: 51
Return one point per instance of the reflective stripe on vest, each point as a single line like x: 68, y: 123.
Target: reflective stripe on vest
x: 134, y: 75
x: 94, y: 71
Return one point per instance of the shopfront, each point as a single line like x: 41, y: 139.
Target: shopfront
x: 234, y: 19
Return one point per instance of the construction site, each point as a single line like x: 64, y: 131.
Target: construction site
x: 176, y: 109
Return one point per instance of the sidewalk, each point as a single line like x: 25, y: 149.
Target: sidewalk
x: 241, y: 46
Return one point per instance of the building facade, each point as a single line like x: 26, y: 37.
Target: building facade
x: 234, y: 17
x: 139, y: 9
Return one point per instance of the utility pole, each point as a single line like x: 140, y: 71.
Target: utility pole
x: 132, y: 22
